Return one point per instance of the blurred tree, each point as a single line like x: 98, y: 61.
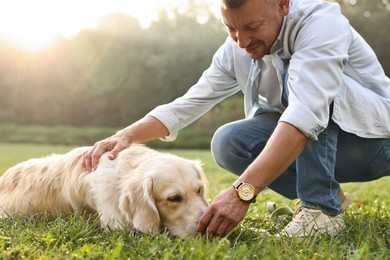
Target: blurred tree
x: 371, y: 18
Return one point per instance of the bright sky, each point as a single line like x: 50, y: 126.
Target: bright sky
x: 35, y: 23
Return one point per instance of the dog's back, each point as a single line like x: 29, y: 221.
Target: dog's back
x: 39, y: 185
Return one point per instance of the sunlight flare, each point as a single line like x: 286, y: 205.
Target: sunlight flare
x: 36, y: 24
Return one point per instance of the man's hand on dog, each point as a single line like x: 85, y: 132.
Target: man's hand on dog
x: 113, y: 144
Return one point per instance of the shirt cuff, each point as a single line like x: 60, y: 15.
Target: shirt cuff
x: 170, y: 121
x: 304, y: 119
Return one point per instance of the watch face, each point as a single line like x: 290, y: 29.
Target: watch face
x: 246, y: 192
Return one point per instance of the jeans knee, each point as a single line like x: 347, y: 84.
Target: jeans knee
x: 235, y: 145
x: 220, y: 145
x: 228, y: 149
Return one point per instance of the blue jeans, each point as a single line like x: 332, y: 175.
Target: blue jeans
x: 314, y: 177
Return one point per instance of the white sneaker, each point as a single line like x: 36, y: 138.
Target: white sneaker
x: 346, y: 201
x: 310, y: 222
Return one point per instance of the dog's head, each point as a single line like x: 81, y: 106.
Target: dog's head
x: 164, y: 191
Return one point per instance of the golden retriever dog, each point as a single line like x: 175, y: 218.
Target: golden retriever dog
x: 141, y: 189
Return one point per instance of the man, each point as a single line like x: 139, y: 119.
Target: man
x: 317, y: 105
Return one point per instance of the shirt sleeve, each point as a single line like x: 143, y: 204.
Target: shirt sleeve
x: 216, y: 83
x: 320, y: 52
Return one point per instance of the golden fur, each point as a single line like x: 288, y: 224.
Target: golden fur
x: 141, y: 189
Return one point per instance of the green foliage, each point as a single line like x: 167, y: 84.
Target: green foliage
x: 365, y: 237
x: 108, y: 76
x: 189, y: 138
x: 66, y: 135
x: 196, y: 136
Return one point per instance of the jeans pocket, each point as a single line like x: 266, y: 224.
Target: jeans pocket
x: 380, y: 165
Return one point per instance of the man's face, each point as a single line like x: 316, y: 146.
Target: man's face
x: 256, y: 24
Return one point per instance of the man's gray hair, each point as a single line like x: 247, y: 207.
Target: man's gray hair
x: 231, y: 4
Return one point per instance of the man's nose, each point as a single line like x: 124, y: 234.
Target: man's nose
x: 243, y: 39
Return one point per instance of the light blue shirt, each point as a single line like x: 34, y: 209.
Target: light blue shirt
x: 318, y: 58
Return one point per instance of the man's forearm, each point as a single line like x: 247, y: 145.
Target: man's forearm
x: 146, y: 129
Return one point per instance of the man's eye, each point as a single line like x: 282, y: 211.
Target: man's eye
x: 175, y: 198
x: 253, y: 28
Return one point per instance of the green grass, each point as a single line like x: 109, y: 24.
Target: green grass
x: 366, y: 236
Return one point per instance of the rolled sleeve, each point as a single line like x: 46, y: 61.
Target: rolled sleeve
x: 304, y: 119
x: 316, y: 68
x: 170, y: 121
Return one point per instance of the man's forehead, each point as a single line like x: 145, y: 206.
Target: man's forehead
x: 238, y: 18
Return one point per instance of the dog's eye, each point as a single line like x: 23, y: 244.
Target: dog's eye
x: 200, y: 190
x: 175, y: 198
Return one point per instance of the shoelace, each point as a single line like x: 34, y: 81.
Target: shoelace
x: 301, y: 218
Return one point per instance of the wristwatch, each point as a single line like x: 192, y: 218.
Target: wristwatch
x: 245, y: 191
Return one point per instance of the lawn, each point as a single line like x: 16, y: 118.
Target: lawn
x: 367, y: 235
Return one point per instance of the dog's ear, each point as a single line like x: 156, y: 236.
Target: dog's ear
x: 138, y: 205
x: 202, y: 176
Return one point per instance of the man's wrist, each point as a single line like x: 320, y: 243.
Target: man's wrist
x: 245, y: 191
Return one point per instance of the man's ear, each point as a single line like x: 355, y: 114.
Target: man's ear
x: 139, y: 207
x: 284, y: 7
